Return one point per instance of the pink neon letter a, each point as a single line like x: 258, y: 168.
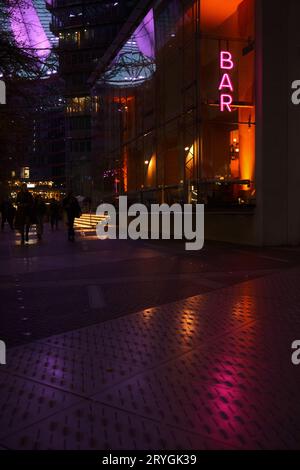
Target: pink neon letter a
x: 226, y: 82
x: 226, y: 62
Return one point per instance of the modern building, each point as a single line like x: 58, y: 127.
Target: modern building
x: 214, y: 122
x: 85, y: 30
x: 47, y: 151
x: 34, y: 147
x: 131, y: 68
x: 35, y: 100
x: 35, y: 142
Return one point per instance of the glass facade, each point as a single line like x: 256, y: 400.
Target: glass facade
x: 227, y: 66
x: 187, y: 132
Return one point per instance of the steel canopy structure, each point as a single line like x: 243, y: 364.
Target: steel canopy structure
x: 135, y: 62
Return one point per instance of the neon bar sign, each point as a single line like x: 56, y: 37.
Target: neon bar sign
x: 226, y: 64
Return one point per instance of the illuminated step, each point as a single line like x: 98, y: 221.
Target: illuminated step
x: 79, y: 224
x: 85, y: 216
x: 88, y: 221
x: 85, y: 222
x: 92, y: 218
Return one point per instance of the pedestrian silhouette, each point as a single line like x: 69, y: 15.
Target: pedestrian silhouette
x: 54, y: 210
x: 73, y: 210
x: 24, y: 212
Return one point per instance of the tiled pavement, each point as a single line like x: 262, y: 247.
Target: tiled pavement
x: 211, y: 371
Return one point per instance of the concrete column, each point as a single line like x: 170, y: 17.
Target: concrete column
x: 278, y: 123
x: 272, y: 121
x: 293, y: 144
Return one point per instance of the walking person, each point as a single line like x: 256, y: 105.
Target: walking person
x: 54, y: 213
x: 39, y: 211
x: 8, y: 212
x: 73, y: 210
x: 24, y: 212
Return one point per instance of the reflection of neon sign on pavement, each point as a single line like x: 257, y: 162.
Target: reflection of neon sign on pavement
x: 226, y: 63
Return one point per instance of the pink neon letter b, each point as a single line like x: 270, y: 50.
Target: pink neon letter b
x: 226, y: 61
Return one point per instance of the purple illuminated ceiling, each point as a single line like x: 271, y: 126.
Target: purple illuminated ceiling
x: 28, y: 30
x: 144, y: 35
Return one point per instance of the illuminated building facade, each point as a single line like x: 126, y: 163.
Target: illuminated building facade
x: 36, y: 137
x: 204, y: 126
x: 85, y: 30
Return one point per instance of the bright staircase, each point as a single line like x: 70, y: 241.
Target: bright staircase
x: 88, y: 221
